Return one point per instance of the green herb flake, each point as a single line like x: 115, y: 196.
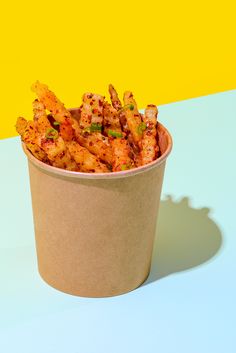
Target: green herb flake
x: 95, y: 127
x: 127, y: 106
x: 131, y: 107
x: 56, y: 123
x: 51, y: 134
x: 114, y: 133
x: 142, y: 127
x: 124, y: 167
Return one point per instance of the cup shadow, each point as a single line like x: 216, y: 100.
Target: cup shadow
x: 186, y: 238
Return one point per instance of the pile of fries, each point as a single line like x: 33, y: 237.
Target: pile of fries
x: 98, y: 137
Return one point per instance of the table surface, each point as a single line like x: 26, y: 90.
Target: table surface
x: 188, y: 302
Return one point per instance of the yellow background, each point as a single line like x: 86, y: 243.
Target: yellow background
x: 162, y: 51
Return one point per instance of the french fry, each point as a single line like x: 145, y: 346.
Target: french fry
x: 111, y: 121
x: 97, y: 144
x: 121, y: 155
x: 50, y: 101
x: 67, y: 124
x: 114, y: 98
x: 85, y: 160
x: 133, y: 117
x: 20, y: 126
x: 29, y: 136
x: 95, y: 101
x: 148, y: 144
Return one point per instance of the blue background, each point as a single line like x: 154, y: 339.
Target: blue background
x: 188, y: 301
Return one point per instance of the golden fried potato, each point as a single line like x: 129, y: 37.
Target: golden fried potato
x: 58, y: 154
x: 21, y: 124
x: 97, y: 144
x: 121, y: 155
x: 85, y: 160
x: 133, y: 117
x: 85, y: 120
x: 148, y: 144
x: 29, y: 136
x: 95, y: 101
x: 114, y: 98
x: 38, y: 109
x: 50, y: 101
x: 67, y: 124
x: 111, y: 121
x: 44, y: 141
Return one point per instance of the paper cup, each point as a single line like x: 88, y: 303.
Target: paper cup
x: 95, y: 232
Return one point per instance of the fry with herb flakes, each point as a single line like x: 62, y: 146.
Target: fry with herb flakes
x: 53, y: 145
x: 133, y: 117
x: 148, y: 144
x: 68, y: 125
x: 85, y: 160
x: 41, y: 120
x: 29, y: 135
x: 57, y: 153
x: 121, y: 155
x: 95, y: 102
x: 50, y: 101
x: 97, y: 144
x: 111, y: 121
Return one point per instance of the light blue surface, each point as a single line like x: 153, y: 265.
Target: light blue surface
x: 188, y: 304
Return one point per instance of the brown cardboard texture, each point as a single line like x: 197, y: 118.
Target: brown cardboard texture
x: 95, y: 232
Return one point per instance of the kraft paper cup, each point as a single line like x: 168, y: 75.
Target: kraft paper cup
x: 95, y: 232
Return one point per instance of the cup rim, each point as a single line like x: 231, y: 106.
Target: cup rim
x: 111, y: 175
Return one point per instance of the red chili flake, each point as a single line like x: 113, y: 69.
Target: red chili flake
x: 100, y: 103
x: 91, y: 103
x: 90, y: 143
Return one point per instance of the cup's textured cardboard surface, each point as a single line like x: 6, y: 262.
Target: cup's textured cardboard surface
x: 94, y: 234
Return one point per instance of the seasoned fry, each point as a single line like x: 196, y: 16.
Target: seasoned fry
x: 85, y: 116
x: 85, y: 160
x: 148, y: 145
x: 51, y: 102
x: 133, y: 117
x: 97, y: 144
x: 121, y: 155
x: 49, y: 140
x: 114, y: 98
x: 118, y: 106
x: 41, y: 121
x: 58, y: 154
x: 111, y: 121
x: 21, y: 124
x: 29, y: 136
x: 91, y: 111
x: 68, y: 125
x: 38, y: 109
x: 95, y: 101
